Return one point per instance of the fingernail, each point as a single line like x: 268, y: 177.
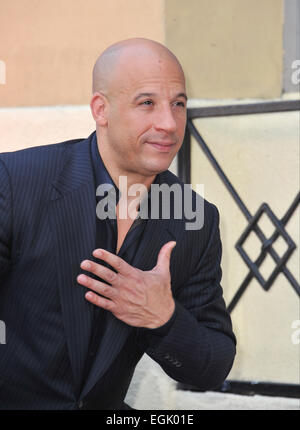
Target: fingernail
x: 85, y: 265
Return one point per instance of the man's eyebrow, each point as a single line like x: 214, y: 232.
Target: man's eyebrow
x: 183, y: 95
x: 143, y: 95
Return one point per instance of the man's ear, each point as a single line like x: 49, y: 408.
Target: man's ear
x: 99, y: 108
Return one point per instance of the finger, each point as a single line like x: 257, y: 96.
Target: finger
x: 101, y: 271
x: 101, y: 302
x: 164, y: 256
x: 114, y: 261
x: 97, y: 286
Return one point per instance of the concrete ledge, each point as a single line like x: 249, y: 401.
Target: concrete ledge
x: 152, y: 389
x: 220, y: 401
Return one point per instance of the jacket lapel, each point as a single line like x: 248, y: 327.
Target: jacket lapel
x: 157, y: 233
x: 72, y: 217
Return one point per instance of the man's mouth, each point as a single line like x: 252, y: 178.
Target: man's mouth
x: 162, y: 146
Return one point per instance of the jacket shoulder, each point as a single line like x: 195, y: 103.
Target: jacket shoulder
x: 37, y: 152
x: 40, y: 162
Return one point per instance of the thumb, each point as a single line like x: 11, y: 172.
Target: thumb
x: 164, y: 256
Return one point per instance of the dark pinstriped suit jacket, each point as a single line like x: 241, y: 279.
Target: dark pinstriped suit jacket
x: 47, y: 227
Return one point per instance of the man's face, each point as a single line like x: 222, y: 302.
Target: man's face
x: 146, y: 115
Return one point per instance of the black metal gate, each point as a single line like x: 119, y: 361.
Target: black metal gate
x: 184, y: 172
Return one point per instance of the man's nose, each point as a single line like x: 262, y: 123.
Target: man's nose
x: 165, y: 120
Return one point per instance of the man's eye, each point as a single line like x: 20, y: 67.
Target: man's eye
x: 147, y: 102
x: 181, y: 104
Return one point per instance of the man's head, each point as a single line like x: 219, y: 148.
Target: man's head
x: 139, y: 105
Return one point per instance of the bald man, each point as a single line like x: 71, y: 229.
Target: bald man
x: 90, y: 279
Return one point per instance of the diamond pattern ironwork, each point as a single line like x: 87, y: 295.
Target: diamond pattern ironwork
x: 267, y: 249
x: 266, y: 246
x: 184, y: 167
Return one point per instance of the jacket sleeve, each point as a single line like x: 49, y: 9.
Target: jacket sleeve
x: 198, y: 348
x: 5, y: 220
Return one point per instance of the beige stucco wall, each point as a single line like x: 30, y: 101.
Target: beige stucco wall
x: 230, y: 49
x: 33, y: 126
x: 49, y: 46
